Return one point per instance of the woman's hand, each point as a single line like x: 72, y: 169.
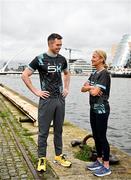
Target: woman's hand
x: 86, y: 87
x: 96, y: 91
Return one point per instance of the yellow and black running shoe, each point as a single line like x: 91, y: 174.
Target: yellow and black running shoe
x: 41, y: 164
x: 62, y: 161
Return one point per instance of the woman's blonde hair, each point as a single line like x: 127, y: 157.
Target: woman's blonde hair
x: 103, y: 55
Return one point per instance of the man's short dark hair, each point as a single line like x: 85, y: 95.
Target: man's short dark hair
x: 54, y: 36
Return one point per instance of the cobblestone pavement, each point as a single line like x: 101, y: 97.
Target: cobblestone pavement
x: 12, y: 164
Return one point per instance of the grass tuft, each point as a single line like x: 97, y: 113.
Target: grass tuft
x: 84, y: 154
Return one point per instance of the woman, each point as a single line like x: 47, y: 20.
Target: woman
x: 98, y: 86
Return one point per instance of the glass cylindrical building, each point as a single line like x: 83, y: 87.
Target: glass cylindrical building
x: 122, y: 54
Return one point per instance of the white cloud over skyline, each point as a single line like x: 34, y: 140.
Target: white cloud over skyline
x: 85, y: 25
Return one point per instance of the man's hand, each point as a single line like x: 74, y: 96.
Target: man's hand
x: 66, y: 79
x: 42, y: 94
x: 26, y: 78
x: 65, y: 92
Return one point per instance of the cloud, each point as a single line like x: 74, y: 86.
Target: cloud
x: 84, y: 24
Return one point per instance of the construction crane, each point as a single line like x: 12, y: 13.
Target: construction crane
x: 70, y: 51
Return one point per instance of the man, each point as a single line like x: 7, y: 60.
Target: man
x: 52, y: 95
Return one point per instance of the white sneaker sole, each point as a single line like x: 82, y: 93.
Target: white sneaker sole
x: 56, y: 162
x: 101, y: 175
x: 93, y: 169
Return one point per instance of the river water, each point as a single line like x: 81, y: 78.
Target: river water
x: 77, y: 106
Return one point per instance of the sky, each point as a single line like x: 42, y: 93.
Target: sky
x: 85, y: 25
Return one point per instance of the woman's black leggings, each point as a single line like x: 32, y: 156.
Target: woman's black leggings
x: 99, y: 128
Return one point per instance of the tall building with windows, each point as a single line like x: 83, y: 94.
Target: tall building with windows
x: 122, y: 56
